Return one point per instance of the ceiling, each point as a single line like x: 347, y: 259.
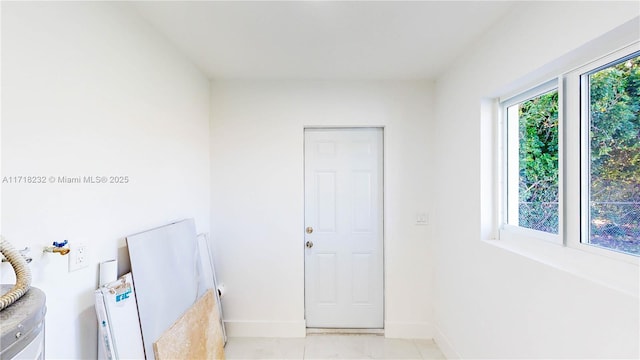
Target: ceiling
x: 323, y: 39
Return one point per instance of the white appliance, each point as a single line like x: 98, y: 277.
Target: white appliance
x: 22, y: 326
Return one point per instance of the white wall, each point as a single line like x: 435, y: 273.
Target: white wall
x: 490, y: 302
x: 257, y: 196
x: 90, y: 89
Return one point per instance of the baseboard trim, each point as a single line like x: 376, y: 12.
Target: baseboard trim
x: 323, y: 331
x: 239, y: 328
x: 396, y: 330
x: 445, y: 345
x: 407, y: 330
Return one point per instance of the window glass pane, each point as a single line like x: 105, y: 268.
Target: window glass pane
x: 614, y: 140
x: 532, y: 169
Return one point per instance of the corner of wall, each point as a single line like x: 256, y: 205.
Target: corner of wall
x: 444, y: 344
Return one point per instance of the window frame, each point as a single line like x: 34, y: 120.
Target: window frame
x: 573, y: 158
x: 506, y: 230
x: 578, y: 153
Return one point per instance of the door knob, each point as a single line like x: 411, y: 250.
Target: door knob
x: 309, y: 244
x: 309, y: 230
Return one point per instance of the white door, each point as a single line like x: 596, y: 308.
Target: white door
x: 343, y: 234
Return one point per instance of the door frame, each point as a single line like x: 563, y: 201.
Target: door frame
x: 383, y: 227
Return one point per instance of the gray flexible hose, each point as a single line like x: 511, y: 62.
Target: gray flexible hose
x: 23, y: 274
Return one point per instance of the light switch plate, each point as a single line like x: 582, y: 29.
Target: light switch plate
x: 422, y: 218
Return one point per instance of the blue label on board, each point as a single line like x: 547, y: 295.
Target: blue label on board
x: 123, y: 296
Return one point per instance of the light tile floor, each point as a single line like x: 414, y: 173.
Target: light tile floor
x: 320, y: 346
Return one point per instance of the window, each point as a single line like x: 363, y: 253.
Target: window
x: 532, y: 159
x: 611, y: 113
x: 571, y: 158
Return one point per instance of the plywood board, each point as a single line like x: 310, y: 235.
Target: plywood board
x: 197, y: 334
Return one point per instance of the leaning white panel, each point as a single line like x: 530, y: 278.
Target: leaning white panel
x: 166, y: 272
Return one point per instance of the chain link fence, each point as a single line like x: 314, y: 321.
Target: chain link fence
x: 541, y: 216
x: 614, y: 225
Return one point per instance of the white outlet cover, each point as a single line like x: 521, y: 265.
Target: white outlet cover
x: 78, y: 257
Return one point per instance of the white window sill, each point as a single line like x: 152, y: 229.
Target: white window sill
x: 612, y: 273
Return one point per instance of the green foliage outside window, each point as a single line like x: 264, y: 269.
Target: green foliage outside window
x: 615, y: 156
x: 538, y: 160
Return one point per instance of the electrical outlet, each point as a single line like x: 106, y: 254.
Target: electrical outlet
x: 78, y: 257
